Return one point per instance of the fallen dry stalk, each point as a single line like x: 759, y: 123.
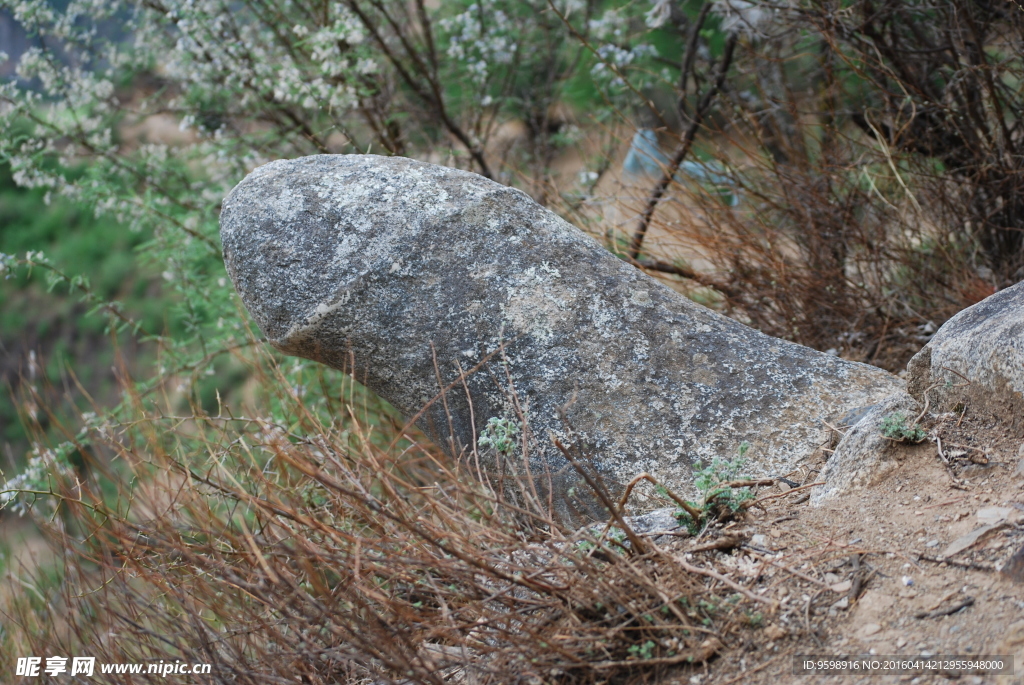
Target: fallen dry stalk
x: 722, y: 579
x: 694, y: 513
x: 782, y: 494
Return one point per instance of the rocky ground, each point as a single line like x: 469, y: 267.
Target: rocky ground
x: 929, y: 562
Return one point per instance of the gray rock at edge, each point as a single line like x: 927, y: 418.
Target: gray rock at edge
x: 976, y: 359
x: 399, y: 263
x: 865, y: 457
x: 662, y: 520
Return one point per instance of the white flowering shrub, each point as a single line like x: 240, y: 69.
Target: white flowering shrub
x: 482, y: 37
x: 244, y: 83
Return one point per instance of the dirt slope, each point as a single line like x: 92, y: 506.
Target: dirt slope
x: 866, y: 574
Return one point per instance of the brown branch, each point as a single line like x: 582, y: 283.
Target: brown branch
x: 684, y: 149
x: 948, y: 611
x: 688, y: 273
x: 722, y: 579
x: 750, y: 503
x: 433, y: 99
x: 690, y: 55
x: 694, y: 513
x: 638, y: 544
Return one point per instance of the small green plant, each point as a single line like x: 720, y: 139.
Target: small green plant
x: 718, y: 498
x: 500, y: 434
x: 896, y: 426
x: 643, y: 651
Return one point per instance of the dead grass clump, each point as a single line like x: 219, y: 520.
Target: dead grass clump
x: 325, y: 548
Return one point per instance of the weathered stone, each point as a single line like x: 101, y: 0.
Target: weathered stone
x: 976, y: 359
x: 401, y: 263
x: 865, y: 457
x: 662, y: 520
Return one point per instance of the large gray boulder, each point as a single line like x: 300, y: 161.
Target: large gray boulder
x: 416, y: 271
x: 976, y: 360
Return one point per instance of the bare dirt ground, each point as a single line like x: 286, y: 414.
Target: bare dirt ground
x: 876, y: 571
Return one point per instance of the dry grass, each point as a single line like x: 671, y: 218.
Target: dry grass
x: 874, y: 155
x: 338, y: 546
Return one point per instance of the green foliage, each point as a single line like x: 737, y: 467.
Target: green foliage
x: 43, y: 309
x: 500, y: 434
x: 896, y: 426
x: 717, y: 500
x: 644, y: 650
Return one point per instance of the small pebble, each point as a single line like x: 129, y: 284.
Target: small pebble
x: 844, y: 603
x: 842, y: 587
x: 870, y: 629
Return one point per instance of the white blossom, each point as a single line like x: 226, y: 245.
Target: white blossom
x: 743, y: 16
x: 659, y: 13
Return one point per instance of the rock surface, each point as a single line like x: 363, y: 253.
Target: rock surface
x: 865, y: 457
x: 976, y: 359
x: 400, y: 263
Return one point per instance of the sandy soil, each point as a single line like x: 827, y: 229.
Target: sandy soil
x: 869, y: 573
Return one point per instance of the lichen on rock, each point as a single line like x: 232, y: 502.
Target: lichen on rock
x: 395, y: 263
x: 975, y: 361
x: 865, y: 456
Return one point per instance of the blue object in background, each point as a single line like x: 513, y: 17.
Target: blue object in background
x: 645, y: 158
